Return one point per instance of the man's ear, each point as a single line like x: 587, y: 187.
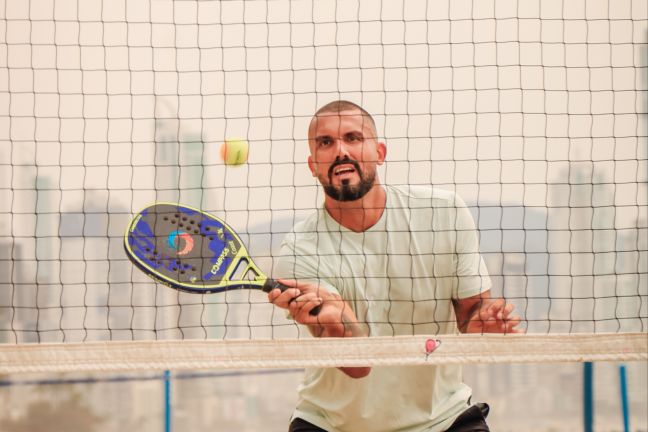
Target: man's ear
x: 382, y: 152
x: 311, y: 166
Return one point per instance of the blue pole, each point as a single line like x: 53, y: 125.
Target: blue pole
x: 624, y: 398
x: 588, y: 397
x: 167, y: 401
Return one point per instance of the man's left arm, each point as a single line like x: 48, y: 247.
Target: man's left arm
x: 483, y: 314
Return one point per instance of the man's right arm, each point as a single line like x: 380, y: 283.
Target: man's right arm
x: 335, y: 319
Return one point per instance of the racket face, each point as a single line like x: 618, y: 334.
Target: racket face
x: 188, y: 249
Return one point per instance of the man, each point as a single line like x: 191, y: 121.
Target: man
x: 380, y: 260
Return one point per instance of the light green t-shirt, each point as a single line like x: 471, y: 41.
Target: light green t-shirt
x: 400, y: 277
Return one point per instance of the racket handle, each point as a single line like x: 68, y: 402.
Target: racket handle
x: 271, y: 284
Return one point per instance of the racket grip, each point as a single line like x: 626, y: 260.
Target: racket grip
x: 271, y: 284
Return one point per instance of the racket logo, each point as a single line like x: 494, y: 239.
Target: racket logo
x: 174, y: 242
x: 219, y: 261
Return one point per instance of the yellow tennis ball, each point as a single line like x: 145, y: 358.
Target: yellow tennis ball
x: 234, y: 151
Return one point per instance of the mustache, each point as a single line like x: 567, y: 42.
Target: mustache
x: 345, y: 161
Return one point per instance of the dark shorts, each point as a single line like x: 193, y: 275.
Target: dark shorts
x: 471, y: 420
x: 299, y: 425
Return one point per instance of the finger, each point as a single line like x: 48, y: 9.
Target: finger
x: 503, y: 313
x: 273, y: 294
x: 291, y: 283
x: 298, y: 301
x: 497, y: 305
x: 517, y: 330
x: 304, y: 314
x: 513, y: 322
x: 488, y: 312
x: 303, y: 287
x: 487, y: 309
x: 301, y: 306
x: 485, y: 316
x: 506, y: 326
x: 500, y: 309
x: 495, y: 325
x: 284, y: 298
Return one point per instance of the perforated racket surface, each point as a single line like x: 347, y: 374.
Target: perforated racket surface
x: 193, y: 251
x: 190, y: 250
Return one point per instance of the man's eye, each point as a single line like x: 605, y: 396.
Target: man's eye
x: 353, y: 138
x: 324, y: 142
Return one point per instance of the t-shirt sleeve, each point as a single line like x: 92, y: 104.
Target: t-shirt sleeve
x: 472, y: 275
x: 296, y: 261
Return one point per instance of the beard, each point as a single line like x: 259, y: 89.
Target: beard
x: 347, y: 191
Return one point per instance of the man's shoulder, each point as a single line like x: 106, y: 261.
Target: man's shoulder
x: 305, y: 229
x: 309, y: 224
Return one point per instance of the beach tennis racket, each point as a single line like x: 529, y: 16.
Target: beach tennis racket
x: 193, y: 251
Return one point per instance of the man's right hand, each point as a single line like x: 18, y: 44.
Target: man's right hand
x: 335, y: 319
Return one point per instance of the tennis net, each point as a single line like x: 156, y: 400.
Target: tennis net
x: 533, y: 112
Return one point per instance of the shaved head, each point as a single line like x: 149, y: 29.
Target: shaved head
x: 337, y: 107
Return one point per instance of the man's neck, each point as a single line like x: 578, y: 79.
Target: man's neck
x: 358, y: 215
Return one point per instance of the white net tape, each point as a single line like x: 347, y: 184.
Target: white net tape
x: 328, y: 352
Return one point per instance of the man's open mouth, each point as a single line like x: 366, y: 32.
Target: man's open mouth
x: 343, y: 170
x: 343, y: 167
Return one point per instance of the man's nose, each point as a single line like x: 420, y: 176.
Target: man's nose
x: 342, y: 148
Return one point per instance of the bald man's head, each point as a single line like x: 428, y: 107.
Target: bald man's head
x: 336, y: 108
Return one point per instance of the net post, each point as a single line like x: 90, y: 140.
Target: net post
x: 167, y: 401
x: 588, y: 397
x: 625, y: 410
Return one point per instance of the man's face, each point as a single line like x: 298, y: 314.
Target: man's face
x: 344, y: 153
